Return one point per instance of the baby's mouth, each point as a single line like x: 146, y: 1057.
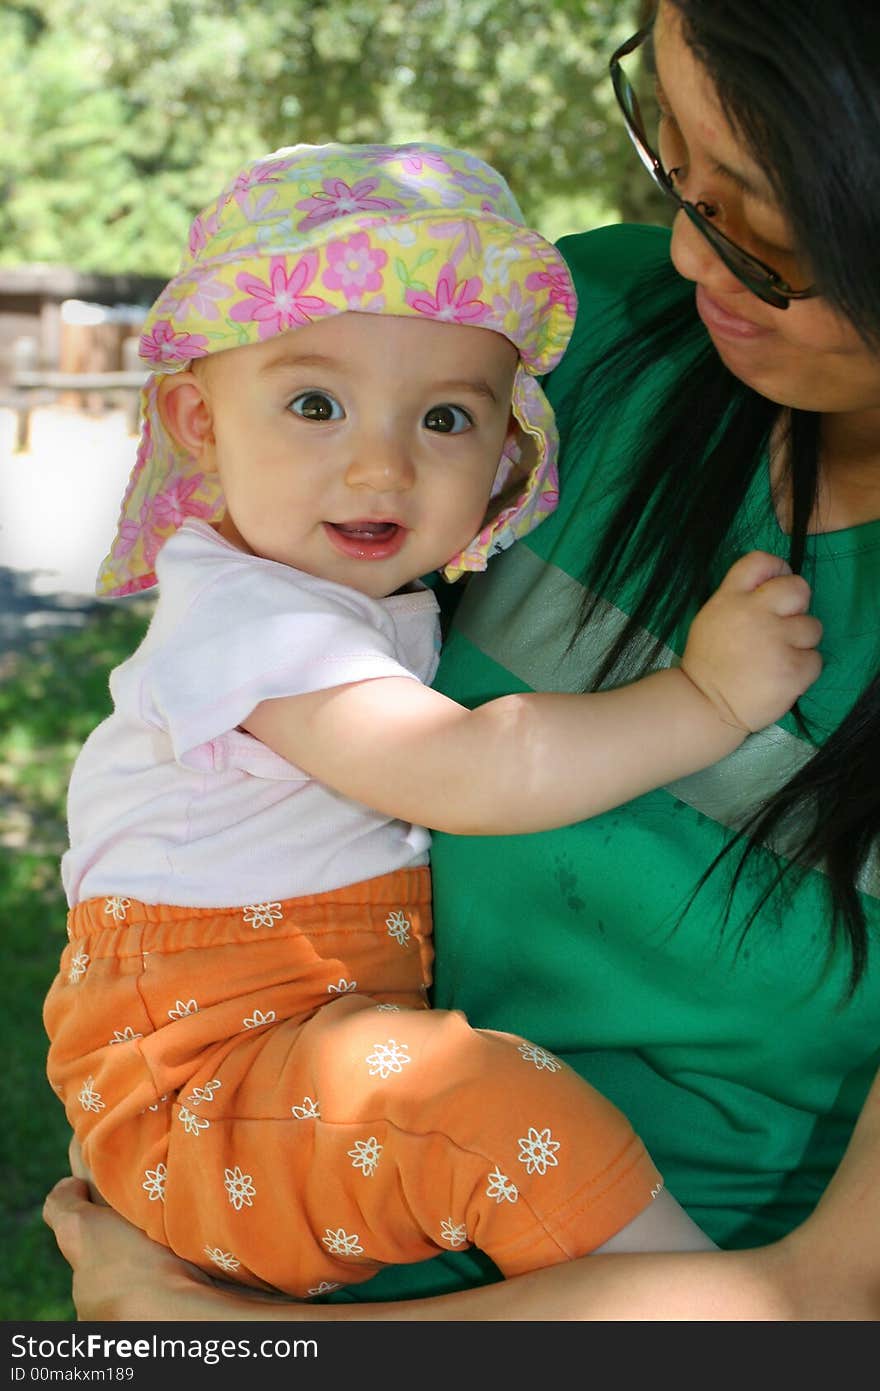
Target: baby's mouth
x: 368, y: 531
x: 363, y: 539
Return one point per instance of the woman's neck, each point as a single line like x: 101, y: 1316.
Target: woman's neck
x: 849, y: 472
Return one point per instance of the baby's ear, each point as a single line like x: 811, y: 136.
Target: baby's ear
x: 514, y: 436
x: 185, y: 411
x: 520, y: 448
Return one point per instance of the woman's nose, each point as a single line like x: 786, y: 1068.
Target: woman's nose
x: 382, y: 466
x: 696, y: 259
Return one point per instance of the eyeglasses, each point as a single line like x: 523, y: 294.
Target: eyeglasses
x: 755, y: 274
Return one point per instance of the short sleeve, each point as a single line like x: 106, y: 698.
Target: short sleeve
x: 250, y: 634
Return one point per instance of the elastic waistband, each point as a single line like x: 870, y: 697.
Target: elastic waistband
x: 120, y: 918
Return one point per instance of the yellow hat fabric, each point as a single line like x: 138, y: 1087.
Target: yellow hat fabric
x: 312, y: 230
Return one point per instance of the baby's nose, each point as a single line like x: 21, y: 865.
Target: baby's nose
x: 383, y: 468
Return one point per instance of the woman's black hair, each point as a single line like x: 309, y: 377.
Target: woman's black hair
x: 800, y: 80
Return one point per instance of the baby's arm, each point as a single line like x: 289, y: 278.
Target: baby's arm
x: 532, y: 762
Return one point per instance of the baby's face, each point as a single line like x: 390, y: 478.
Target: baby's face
x: 361, y: 448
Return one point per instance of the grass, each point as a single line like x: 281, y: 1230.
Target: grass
x: 52, y: 694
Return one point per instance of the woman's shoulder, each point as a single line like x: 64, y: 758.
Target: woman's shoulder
x: 618, y: 271
x: 609, y: 261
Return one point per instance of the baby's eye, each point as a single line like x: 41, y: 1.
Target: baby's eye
x: 447, y: 420
x: 317, y: 405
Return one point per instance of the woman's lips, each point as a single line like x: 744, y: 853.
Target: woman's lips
x: 366, y: 540
x: 722, y: 324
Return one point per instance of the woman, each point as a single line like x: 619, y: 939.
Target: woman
x: 706, y: 955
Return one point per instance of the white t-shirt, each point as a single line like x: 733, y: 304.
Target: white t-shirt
x: 170, y: 802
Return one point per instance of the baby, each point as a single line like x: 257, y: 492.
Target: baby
x: 346, y: 399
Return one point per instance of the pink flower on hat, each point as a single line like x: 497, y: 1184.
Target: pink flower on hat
x: 164, y: 344
x: 454, y: 302
x: 355, y: 266
x: 339, y: 199
x: 248, y: 190
x: 202, y: 228
x: 199, y: 296
x: 559, y: 285
x: 473, y: 184
x: 175, y: 503
x: 151, y: 544
x: 263, y: 174
x: 516, y: 315
x: 547, y: 500
x: 414, y: 161
x: 469, y: 242
x: 279, y: 303
x: 129, y: 533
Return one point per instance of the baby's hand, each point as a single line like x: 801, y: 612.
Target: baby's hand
x: 751, y: 647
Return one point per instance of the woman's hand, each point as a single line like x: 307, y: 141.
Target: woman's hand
x: 119, y: 1274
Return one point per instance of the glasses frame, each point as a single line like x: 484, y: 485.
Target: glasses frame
x: 752, y: 272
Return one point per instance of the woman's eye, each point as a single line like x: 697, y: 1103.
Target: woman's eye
x: 316, y: 405
x: 447, y: 420
x: 670, y: 146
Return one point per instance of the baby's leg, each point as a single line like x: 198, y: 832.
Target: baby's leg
x: 232, y: 1112
x: 371, y: 1135
x: 150, y: 999
x: 664, y: 1226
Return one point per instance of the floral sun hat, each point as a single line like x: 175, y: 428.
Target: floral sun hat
x: 314, y: 230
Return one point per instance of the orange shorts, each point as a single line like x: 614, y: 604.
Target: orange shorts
x: 264, y: 1090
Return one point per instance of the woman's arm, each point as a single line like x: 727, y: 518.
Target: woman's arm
x: 119, y: 1275
x: 827, y: 1269
x: 532, y: 762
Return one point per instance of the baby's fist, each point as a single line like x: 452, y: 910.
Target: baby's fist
x: 752, y: 647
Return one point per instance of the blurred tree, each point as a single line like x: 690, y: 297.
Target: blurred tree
x: 123, y: 117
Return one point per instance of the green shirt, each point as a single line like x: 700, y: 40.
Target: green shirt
x: 742, y: 1069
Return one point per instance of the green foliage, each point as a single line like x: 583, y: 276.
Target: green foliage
x: 122, y: 118
x: 51, y: 697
